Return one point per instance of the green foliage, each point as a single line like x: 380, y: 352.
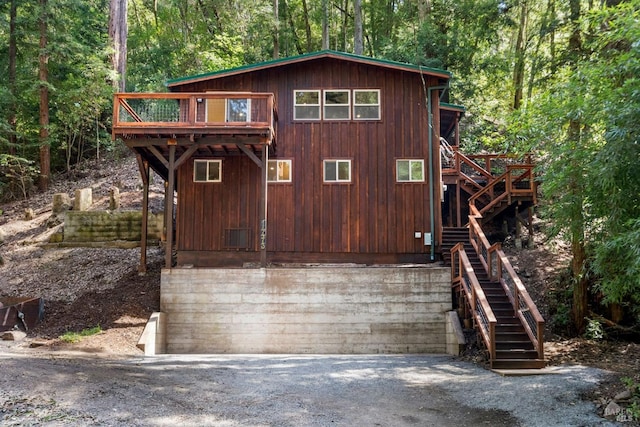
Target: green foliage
x: 17, y: 176
x: 74, y: 337
x: 594, y: 330
x: 634, y: 387
x: 78, y: 73
x: 617, y: 264
x: 585, y: 127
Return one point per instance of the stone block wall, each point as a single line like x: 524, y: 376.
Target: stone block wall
x: 106, y: 226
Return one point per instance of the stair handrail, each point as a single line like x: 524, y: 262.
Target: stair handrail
x: 500, y: 269
x: 522, y: 302
x: 510, y: 190
x: 461, y: 159
x: 462, y: 273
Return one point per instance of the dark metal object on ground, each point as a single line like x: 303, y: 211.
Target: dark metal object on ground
x: 21, y: 312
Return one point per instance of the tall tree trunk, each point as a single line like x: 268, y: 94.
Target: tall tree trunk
x: 345, y: 22
x: 13, y: 53
x: 276, y: 30
x: 580, y: 284
x: 424, y: 10
x: 294, y: 34
x: 307, y: 25
x: 518, y: 69
x: 43, y: 60
x: 118, y: 33
x: 357, y: 27
x: 325, y: 24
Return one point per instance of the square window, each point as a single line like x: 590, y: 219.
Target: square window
x: 207, y: 171
x: 366, y: 104
x: 410, y: 170
x: 279, y: 171
x: 238, y: 110
x: 306, y: 105
x: 336, y: 104
x: 337, y: 170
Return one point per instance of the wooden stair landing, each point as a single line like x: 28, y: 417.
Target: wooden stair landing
x: 514, y: 349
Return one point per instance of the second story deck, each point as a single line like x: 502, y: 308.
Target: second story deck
x: 210, y: 124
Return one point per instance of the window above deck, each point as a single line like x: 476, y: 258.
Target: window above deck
x: 336, y: 104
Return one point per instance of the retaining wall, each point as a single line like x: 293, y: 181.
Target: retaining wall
x: 105, y: 226
x: 340, y: 310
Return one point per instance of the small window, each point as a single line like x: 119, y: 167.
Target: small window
x: 238, y: 110
x: 337, y: 170
x: 207, y: 171
x: 279, y: 171
x: 336, y: 104
x: 306, y: 105
x: 366, y: 104
x: 410, y: 170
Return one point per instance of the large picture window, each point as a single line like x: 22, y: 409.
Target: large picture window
x: 366, y: 104
x: 279, y: 171
x: 410, y: 170
x: 306, y: 105
x: 207, y: 171
x: 337, y: 171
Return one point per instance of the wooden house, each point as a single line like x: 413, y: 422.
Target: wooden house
x: 305, y: 201
x: 343, y: 150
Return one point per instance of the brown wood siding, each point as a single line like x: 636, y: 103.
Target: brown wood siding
x: 373, y: 214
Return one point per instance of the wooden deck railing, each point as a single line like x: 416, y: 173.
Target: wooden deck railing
x: 499, y: 268
x: 464, y: 276
x: 516, y: 181
x: 195, y: 113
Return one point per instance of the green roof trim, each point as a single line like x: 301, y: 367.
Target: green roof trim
x: 309, y: 56
x: 453, y: 106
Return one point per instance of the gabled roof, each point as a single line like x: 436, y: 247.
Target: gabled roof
x: 308, y: 57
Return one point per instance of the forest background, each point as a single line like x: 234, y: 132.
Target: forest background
x: 558, y: 78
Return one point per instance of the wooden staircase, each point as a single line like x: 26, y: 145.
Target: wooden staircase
x: 513, y: 341
x: 493, y: 182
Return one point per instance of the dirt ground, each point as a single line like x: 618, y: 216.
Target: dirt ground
x: 84, y: 287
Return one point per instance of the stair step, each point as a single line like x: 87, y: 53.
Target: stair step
x: 514, y: 346
x: 502, y: 336
x: 518, y: 364
x: 516, y: 353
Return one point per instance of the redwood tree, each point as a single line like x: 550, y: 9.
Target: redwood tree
x: 45, y: 152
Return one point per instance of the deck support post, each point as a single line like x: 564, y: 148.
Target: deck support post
x: 143, y: 165
x: 458, y: 203
x: 263, y: 206
x: 168, y: 212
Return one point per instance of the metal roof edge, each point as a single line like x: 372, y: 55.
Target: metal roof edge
x: 306, y: 57
x: 449, y: 106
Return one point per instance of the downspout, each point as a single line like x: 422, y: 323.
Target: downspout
x: 432, y: 213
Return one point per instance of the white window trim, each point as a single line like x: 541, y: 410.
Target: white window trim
x: 325, y: 105
x: 278, y: 180
x: 366, y: 105
x: 319, y: 105
x: 411, y: 161
x: 226, y: 110
x: 208, y: 162
x: 336, y: 161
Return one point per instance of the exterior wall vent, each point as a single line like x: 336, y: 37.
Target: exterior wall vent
x: 237, y: 238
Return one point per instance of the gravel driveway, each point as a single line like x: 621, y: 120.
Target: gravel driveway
x: 284, y: 390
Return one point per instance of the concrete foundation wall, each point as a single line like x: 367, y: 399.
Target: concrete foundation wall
x: 306, y: 310
x: 104, y: 226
